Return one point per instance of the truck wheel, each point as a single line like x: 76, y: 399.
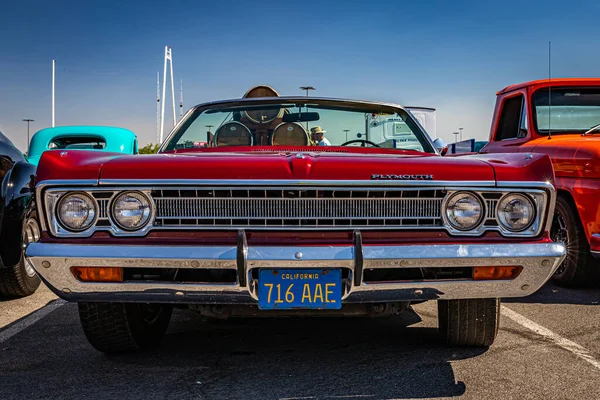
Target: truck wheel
x: 577, y: 269
x: 124, y: 327
x: 21, y: 280
x: 469, y: 322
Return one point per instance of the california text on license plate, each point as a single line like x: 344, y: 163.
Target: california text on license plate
x: 299, y: 288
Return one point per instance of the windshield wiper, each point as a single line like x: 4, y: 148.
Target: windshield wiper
x: 592, y: 129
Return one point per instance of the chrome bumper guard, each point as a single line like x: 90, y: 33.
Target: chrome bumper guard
x: 53, y: 262
x: 595, y: 245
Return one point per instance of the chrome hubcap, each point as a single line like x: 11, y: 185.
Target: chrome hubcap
x: 31, y: 234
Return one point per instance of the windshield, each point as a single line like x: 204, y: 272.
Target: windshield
x: 298, y: 124
x: 77, y: 142
x: 567, y: 109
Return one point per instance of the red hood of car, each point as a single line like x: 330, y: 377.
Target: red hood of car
x: 87, y: 165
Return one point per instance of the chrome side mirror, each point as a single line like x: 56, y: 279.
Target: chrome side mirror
x: 441, y: 146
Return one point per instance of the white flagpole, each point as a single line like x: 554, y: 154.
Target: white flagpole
x: 162, y: 112
x: 53, y: 73
x: 157, y: 107
x: 172, y: 88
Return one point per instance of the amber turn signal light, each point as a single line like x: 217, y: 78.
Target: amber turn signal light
x: 496, y: 273
x: 98, y: 274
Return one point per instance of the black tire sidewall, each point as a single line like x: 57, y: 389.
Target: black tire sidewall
x: 576, y: 248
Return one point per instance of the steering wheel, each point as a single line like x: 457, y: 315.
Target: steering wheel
x: 364, y: 142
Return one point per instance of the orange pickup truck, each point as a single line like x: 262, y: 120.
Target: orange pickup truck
x: 561, y: 118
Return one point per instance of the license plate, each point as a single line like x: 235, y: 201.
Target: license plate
x: 283, y: 289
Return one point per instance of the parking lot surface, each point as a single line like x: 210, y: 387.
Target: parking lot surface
x: 548, y: 347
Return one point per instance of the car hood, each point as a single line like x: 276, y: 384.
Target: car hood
x: 573, y: 155
x: 294, y: 166
x: 88, y: 165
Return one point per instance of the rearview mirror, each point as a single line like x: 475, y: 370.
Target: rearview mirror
x: 301, y: 117
x: 441, y: 146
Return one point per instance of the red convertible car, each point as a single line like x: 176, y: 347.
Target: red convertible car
x: 284, y: 214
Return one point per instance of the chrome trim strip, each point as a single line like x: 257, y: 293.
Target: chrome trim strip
x: 53, y: 262
x: 292, y: 182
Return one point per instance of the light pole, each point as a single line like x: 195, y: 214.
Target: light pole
x: 307, y: 88
x: 208, y: 138
x: 346, y: 132
x: 460, y: 129
x: 455, y: 136
x: 28, y: 121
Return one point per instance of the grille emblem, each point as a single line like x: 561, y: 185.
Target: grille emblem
x: 401, y: 177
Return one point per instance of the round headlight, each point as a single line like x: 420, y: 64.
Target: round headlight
x: 76, y: 211
x: 464, y: 211
x: 131, y: 210
x: 516, y: 212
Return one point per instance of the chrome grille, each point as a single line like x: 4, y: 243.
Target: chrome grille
x: 102, y: 208
x: 491, y: 208
x: 316, y: 208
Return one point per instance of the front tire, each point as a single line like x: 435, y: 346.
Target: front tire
x: 577, y: 269
x: 124, y: 327
x: 21, y: 280
x: 469, y: 322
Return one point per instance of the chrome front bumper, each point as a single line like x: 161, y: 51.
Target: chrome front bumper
x: 53, y: 262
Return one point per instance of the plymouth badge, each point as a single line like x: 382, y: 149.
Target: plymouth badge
x: 401, y: 177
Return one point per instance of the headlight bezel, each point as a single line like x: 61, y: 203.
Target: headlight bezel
x: 112, y: 215
x: 82, y: 194
x: 506, y: 226
x: 475, y: 228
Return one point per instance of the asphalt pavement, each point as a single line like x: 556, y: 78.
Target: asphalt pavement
x: 548, y: 348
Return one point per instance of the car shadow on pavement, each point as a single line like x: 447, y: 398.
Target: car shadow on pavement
x: 309, y: 358
x: 317, y: 358
x: 553, y: 294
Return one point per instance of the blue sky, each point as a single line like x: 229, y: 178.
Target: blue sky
x: 451, y: 55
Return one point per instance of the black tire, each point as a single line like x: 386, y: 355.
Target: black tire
x: 123, y: 327
x: 469, y: 322
x: 17, y: 282
x: 21, y: 280
x: 579, y: 267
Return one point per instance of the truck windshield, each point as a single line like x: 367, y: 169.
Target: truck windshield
x: 296, y: 124
x: 566, y: 110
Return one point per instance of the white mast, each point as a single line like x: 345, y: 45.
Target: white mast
x: 172, y: 89
x: 157, y: 107
x: 53, y: 73
x: 169, y: 58
x: 181, y: 100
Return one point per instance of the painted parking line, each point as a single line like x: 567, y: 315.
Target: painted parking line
x: 570, y: 346
x: 30, y: 320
